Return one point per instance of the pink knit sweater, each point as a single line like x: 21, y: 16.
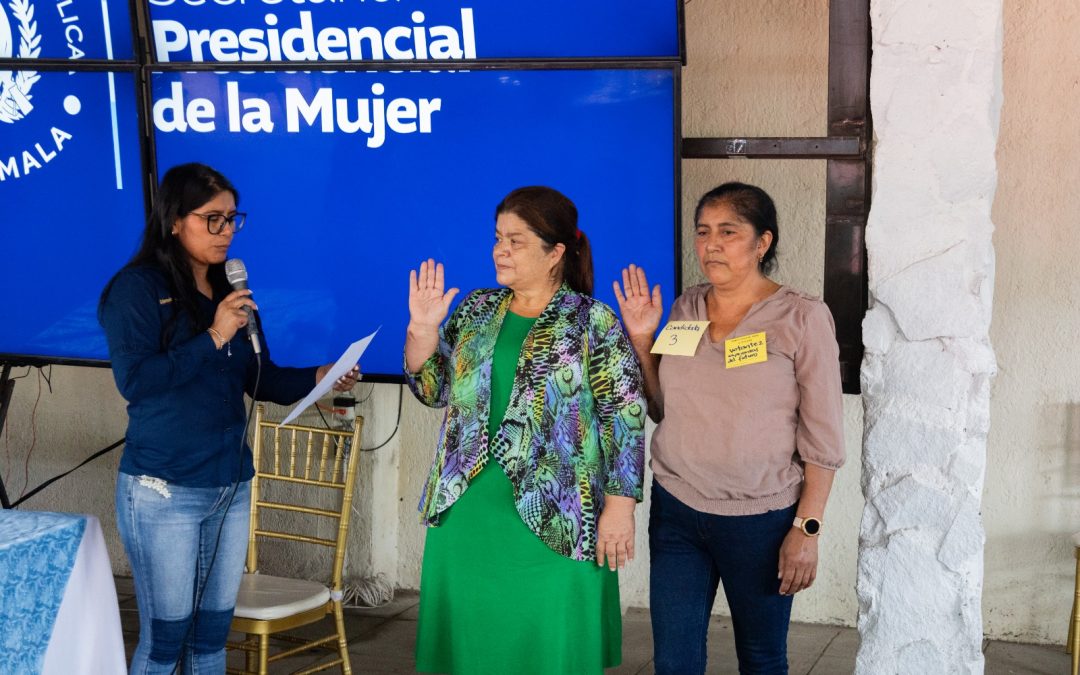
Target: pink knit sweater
x: 733, y: 441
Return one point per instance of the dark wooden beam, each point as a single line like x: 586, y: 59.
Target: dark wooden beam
x: 825, y: 147
x: 847, y: 198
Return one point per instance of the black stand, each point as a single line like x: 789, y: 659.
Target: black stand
x: 7, y: 385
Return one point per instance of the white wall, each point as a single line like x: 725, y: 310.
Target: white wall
x: 1031, y: 504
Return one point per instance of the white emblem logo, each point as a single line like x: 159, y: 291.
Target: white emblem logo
x: 15, y: 85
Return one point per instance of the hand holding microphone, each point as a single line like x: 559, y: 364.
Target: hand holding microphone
x: 231, y: 316
x: 236, y: 273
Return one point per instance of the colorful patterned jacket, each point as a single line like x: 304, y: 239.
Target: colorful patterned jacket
x: 575, y: 426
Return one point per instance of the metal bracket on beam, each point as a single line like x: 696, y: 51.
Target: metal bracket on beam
x: 825, y: 147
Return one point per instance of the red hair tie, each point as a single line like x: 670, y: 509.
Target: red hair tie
x: 577, y: 235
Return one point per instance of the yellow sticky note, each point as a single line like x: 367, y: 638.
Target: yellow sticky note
x: 745, y: 350
x: 680, y: 338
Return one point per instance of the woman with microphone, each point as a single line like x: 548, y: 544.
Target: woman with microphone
x: 172, y: 322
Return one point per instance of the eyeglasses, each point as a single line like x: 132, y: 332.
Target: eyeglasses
x: 216, y: 222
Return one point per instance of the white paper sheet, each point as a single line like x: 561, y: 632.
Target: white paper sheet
x: 343, y: 365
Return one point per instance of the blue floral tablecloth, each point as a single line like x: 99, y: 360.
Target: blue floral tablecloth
x: 37, y: 552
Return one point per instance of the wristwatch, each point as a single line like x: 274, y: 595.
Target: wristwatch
x: 811, y: 527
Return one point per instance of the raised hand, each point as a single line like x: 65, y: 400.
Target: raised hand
x: 641, y: 311
x: 428, y: 303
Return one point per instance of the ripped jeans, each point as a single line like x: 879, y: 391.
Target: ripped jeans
x: 169, y: 532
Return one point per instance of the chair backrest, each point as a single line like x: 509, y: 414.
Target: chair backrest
x: 304, y: 476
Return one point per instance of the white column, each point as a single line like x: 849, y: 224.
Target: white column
x: 935, y: 95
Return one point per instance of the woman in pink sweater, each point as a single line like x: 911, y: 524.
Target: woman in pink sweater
x: 750, y: 434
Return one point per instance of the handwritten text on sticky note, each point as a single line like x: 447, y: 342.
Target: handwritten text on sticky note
x: 745, y: 350
x: 680, y: 338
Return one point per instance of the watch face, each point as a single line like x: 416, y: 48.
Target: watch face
x: 811, y: 526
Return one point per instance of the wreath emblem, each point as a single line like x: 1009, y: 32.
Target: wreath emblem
x: 15, y: 85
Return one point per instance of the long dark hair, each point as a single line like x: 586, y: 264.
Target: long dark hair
x: 183, y: 189
x: 554, y: 218
x: 753, y: 205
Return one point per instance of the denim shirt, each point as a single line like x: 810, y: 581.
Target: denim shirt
x: 575, y: 427
x: 185, y: 407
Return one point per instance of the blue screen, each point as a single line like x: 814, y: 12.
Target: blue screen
x: 72, y: 195
x: 65, y: 29
x: 327, y: 30
x: 351, y: 179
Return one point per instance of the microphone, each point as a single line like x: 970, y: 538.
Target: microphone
x: 236, y: 273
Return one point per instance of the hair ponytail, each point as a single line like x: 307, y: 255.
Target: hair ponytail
x: 577, y: 266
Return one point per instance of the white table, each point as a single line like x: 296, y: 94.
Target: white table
x: 58, y: 609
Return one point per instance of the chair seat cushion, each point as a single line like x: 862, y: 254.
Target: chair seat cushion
x: 266, y: 597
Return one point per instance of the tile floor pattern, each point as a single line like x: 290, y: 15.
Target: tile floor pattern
x: 381, y: 641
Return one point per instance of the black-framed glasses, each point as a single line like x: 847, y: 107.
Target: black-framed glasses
x: 216, y: 222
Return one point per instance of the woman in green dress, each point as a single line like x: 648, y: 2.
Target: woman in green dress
x: 530, y: 500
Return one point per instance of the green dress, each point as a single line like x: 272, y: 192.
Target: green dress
x: 494, y: 599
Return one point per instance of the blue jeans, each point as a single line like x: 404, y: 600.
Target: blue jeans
x: 170, y: 533
x: 691, y: 552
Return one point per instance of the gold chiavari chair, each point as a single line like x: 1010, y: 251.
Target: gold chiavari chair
x: 303, y: 487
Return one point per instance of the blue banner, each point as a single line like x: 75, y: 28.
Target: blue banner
x: 351, y: 179
x: 61, y: 29
x: 72, y: 195
x: 253, y: 31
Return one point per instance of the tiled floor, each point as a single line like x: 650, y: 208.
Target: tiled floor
x: 381, y: 641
